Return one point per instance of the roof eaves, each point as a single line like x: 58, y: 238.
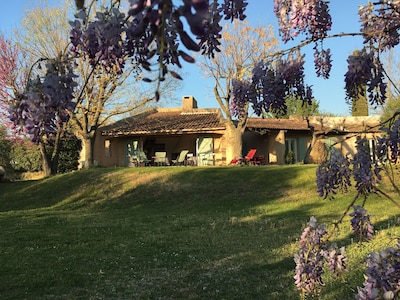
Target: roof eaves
x: 204, y: 129
x: 169, y: 131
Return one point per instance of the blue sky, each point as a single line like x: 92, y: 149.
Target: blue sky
x: 330, y: 93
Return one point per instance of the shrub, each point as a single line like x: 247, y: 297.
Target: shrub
x: 25, y: 156
x: 70, y: 148
x: 289, y: 157
x: 5, y: 147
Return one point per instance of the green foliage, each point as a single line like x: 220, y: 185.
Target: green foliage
x: 391, y: 106
x: 171, y: 233
x: 359, y: 105
x: 70, y: 148
x: 327, y: 114
x: 5, y: 147
x: 295, y: 107
x: 289, y: 157
x: 25, y: 156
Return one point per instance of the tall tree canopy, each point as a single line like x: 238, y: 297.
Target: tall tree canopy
x: 98, y: 94
x: 242, y: 47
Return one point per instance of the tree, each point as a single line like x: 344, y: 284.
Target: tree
x: 26, y: 116
x: 43, y: 113
x: 359, y: 105
x: 105, y: 96
x: 99, y: 94
x: 297, y: 108
x: 5, y: 147
x: 12, y: 77
x: 38, y: 100
x: 392, y: 106
x: 359, y: 102
x: 105, y: 91
x: 242, y: 46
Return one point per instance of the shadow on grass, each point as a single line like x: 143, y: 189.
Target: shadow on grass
x: 160, y: 233
x: 46, y: 192
x: 240, y: 187
x: 235, y: 224
x: 112, y: 186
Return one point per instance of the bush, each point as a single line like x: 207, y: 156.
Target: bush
x: 5, y: 147
x: 25, y: 156
x: 70, y: 148
x: 289, y: 158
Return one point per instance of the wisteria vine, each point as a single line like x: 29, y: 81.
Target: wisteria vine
x: 361, y: 224
x: 47, y: 103
x: 311, y: 17
x: 365, y: 70
x: 333, y: 175
x: 271, y: 83
x: 382, y: 275
x: 314, y: 253
x: 152, y: 31
x: 380, y: 23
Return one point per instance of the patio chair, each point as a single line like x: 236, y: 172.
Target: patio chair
x: 181, y: 159
x: 160, y: 159
x: 206, y: 159
x: 236, y: 161
x: 249, y: 158
x: 142, y: 158
x: 259, y: 160
x: 191, y: 160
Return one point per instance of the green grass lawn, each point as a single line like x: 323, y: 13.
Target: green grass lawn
x: 172, y: 233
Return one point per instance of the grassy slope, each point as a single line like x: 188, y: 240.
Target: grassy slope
x: 170, y: 233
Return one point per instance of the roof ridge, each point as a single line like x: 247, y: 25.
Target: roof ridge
x: 197, y: 112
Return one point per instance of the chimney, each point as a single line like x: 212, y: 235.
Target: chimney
x: 188, y: 103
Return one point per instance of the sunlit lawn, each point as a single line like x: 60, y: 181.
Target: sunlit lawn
x: 171, y: 233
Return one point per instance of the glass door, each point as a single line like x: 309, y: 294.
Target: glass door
x: 132, y: 150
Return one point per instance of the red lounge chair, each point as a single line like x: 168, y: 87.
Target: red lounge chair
x: 235, y: 161
x: 259, y: 160
x: 249, y: 158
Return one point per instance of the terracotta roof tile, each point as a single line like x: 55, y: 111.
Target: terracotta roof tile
x: 277, y: 124
x: 174, y: 121
x: 170, y: 121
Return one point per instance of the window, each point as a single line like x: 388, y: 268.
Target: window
x: 107, y: 147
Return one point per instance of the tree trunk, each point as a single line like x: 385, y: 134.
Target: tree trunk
x: 56, y: 149
x: 314, y: 138
x: 54, y: 162
x: 88, y: 149
x: 309, y: 149
x: 234, y: 143
x: 45, y: 160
